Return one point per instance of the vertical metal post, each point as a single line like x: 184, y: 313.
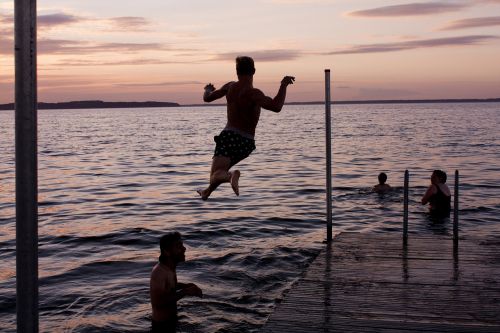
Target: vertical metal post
x: 26, y: 166
x: 328, y: 123
x: 405, y: 207
x: 455, y: 210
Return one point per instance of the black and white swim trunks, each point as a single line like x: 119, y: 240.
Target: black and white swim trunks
x: 232, y: 144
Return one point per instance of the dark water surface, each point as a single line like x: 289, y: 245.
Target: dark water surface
x: 111, y: 182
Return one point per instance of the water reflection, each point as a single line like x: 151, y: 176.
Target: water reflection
x: 404, y: 262
x: 456, y: 263
x: 327, y: 286
x: 437, y: 225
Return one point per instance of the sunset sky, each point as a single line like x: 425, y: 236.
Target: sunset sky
x: 168, y: 50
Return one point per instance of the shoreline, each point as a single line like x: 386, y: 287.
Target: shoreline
x: 97, y: 104
x: 381, y: 101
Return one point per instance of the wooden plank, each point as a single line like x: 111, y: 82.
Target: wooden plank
x: 381, y: 243
x: 371, y: 301
x: 343, y: 325
x: 424, y: 249
x: 370, y: 283
x: 415, y: 272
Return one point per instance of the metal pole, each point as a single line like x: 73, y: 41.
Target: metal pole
x: 455, y: 209
x: 405, y: 207
x: 26, y: 166
x: 328, y: 122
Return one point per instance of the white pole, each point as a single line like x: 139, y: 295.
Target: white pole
x: 26, y: 167
x: 328, y: 122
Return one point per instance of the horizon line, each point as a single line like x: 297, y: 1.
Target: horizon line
x: 123, y: 104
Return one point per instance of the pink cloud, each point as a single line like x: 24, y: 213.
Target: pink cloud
x: 415, y: 44
x: 411, y: 9
x: 58, y: 46
x: 262, y: 55
x: 472, y: 23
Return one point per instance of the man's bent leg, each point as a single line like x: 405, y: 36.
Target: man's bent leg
x: 218, y: 175
x: 234, y: 180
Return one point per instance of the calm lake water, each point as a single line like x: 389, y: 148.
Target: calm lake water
x: 111, y: 182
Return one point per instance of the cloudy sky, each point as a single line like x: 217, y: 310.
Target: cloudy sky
x: 168, y: 50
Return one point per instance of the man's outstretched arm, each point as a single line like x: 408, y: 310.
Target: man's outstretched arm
x: 189, y: 289
x: 275, y: 104
x: 211, y: 94
x: 163, y: 295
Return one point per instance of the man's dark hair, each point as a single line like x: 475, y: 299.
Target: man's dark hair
x: 167, y: 240
x: 441, y: 175
x: 245, y: 66
x: 382, y: 178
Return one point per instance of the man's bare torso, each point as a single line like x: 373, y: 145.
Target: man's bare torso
x: 242, y: 113
x: 166, y: 279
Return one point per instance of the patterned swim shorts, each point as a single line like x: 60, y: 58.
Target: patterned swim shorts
x: 233, y: 145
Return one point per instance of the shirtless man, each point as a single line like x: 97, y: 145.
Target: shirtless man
x: 236, y: 141
x: 164, y: 289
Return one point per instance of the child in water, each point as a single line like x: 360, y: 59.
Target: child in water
x: 382, y: 187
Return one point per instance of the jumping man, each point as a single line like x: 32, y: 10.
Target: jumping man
x: 236, y: 141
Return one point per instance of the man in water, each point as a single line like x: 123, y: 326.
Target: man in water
x: 164, y: 289
x: 236, y: 141
x: 382, y: 187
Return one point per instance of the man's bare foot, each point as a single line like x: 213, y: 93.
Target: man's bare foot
x: 235, y: 177
x: 203, y: 194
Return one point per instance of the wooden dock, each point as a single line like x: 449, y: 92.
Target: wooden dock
x: 372, y: 283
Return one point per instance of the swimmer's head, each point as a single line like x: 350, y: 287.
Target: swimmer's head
x: 382, y: 178
x: 440, y: 175
x: 245, y: 66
